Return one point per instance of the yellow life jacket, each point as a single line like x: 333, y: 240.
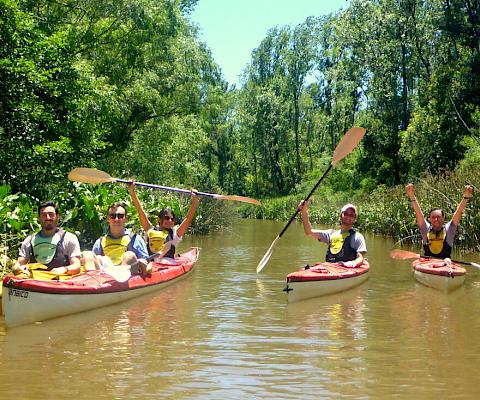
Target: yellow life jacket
x: 115, y: 248
x: 156, y: 240
x: 40, y: 271
x: 336, y: 241
x: 437, y: 245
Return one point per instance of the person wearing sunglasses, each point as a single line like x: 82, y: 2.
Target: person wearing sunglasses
x: 56, y: 249
x: 345, y: 245
x: 164, y: 237
x: 438, y: 236
x: 119, y: 246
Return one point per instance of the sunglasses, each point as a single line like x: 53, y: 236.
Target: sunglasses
x: 169, y: 218
x: 117, y: 215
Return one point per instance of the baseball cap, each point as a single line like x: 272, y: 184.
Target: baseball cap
x: 347, y: 206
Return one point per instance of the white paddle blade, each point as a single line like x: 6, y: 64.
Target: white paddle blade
x: 89, y: 175
x: 237, y: 198
x: 475, y: 265
x: 348, y: 142
x: 267, y: 255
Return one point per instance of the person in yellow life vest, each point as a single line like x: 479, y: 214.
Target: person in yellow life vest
x: 54, y: 248
x: 119, y: 247
x: 437, y: 237
x: 164, y: 237
x: 345, y: 245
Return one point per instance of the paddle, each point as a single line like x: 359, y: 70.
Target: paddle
x: 405, y: 255
x: 348, y: 142
x: 92, y: 175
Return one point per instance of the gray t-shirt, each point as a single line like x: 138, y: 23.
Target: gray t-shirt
x: 450, y: 229
x: 69, y: 247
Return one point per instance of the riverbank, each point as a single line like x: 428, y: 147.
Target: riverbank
x: 387, y: 211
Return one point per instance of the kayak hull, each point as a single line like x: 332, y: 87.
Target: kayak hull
x: 436, y: 274
x: 25, y: 301
x: 324, y: 279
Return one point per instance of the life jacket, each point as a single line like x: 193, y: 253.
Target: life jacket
x: 156, y: 238
x: 340, y: 248
x: 115, y: 248
x: 47, y: 250
x: 437, y: 245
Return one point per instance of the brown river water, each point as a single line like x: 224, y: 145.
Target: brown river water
x: 226, y: 332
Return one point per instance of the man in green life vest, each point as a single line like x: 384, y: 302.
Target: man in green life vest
x: 345, y: 245
x: 437, y: 237
x: 119, y: 247
x: 56, y: 249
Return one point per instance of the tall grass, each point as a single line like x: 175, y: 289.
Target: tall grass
x: 387, y: 211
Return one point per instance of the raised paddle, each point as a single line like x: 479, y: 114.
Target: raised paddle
x: 406, y: 255
x: 92, y: 175
x: 348, y: 142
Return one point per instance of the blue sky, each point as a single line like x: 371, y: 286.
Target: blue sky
x: 233, y: 28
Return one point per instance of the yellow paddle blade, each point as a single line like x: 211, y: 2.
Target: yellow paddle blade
x: 398, y: 254
x: 33, y: 266
x: 238, y: 198
x: 48, y: 276
x: 89, y: 175
x: 348, y: 142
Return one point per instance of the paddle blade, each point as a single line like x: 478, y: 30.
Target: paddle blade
x: 403, y: 254
x: 348, y: 142
x: 267, y: 255
x: 238, y: 198
x: 89, y: 175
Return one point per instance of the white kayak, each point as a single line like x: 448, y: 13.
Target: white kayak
x: 323, y: 279
x: 30, y: 300
x: 437, y: 274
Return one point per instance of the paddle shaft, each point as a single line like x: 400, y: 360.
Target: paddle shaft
x: 149, y: 185
x: 306, y: 199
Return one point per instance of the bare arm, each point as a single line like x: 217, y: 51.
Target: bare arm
x: 190, y: 214
x: 467, y: 195
x: 71, y: 269
x: 307, y: 226
x: 418, y: 211
x: 144, y: 221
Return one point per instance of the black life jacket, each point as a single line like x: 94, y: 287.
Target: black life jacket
x: 340, y: 247
x: 437, y: 245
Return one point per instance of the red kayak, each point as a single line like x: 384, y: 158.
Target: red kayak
x: 30, y: 300
x: 323, y: 279
x: 436, y: 273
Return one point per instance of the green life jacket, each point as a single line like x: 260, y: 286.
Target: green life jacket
x: 47, y: 250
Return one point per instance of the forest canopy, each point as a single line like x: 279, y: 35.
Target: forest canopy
x: 127, y: 86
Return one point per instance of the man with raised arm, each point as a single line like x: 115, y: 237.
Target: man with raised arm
x: 345, y: 245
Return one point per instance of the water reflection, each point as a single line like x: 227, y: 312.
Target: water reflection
x: 226, y: 332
